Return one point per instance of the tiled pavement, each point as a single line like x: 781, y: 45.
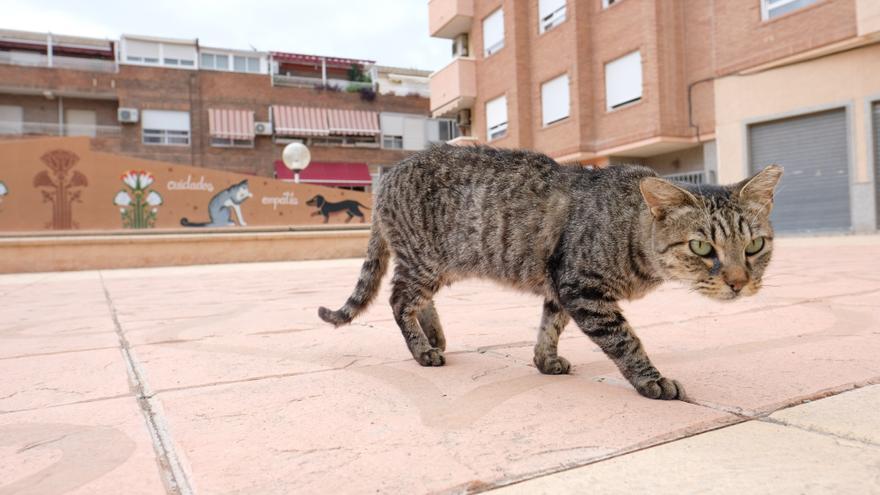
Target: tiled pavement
x: 221, y: 379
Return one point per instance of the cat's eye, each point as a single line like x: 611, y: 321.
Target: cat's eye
x: 701, y: 248
x: 755, y: 246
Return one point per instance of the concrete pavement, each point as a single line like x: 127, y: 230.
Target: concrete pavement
x: 221, y: 379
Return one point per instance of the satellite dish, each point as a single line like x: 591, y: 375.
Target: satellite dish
x: 296, y: 157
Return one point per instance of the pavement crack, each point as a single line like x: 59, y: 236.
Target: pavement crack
x: 175, y: 478
x: 824, y: 433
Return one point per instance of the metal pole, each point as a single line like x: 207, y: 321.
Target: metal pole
x: 324, y: 70
x: 296, y: 177
x: 49, y: 48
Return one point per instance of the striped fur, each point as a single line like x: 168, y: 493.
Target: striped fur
x: 582, y: 239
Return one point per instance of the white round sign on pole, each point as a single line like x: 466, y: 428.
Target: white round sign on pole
x: 296, y: 157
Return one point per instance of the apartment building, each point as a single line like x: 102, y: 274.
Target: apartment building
x: 703, y: 92
x: 176, y: 100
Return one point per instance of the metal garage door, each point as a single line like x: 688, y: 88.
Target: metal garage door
x: 876, y: 130
x: 814, y: 192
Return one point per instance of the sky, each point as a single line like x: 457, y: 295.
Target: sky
x: 391, y: 32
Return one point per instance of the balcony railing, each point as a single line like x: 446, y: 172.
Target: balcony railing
x: 30, y: 59
x: 54, y: 129
x: 688, y: 178
x: 311, y: 82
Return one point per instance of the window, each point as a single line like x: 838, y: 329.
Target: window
x: 447, y: 130
x: 555, y: 100
x: 219, y: 142
x: 493, y: 32
x: 551, y: 13
x: 80, y: 123
x: 240, y: 63
x: 143, y: 52
x: 776, y: 8
x: 608, y: 3
x: 623, y: 80
x: 179, y: 55
x: 496, y: 118
x: 392, y: 142
x: 165, y: 127
x: 157, y: 53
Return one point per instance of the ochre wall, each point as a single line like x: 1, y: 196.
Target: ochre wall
x: 31, y: 199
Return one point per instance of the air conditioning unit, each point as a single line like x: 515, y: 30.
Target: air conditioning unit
x: 127, y: 115
x: 464, y: 117
x: 263, y: 128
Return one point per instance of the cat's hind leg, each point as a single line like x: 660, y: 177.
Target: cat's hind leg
x: 553, y: 321
x: 410, y: 294
x: 430, y: 323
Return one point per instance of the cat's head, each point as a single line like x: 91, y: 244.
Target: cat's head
x: 240, y: 191
x: 716, y: 238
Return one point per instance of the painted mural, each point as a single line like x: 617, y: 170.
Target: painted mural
x: 222, y: 205
x: 62, y: 184
x: 61, y: 188
x: 327, y: 208
x: 138, y: 203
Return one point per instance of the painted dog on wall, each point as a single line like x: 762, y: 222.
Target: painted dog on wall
x: 325, y: 208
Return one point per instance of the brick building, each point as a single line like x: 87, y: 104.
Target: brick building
x: 700, y: 91
x: 178, y: 101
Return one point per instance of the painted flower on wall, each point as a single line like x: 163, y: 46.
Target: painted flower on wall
x: 3, y: 190
x: 138, y: 205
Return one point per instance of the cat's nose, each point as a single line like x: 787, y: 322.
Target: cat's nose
x: 735, y: 278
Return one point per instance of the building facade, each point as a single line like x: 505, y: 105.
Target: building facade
x: 703, y: 92
x: 234, y: 110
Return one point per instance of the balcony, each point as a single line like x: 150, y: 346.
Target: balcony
x: 31, y: 59
x: 453, y: 87
x: 311, y: 82
x: 54, y: 129
x: 449, y: 18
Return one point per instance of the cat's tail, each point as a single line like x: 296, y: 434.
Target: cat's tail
x: 187, y: 223
x: 367, y: 285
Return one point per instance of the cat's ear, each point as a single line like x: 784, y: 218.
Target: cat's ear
x: 662, y: 196
x: 756, y: 192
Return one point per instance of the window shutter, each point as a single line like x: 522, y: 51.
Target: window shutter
x: 623, y: 80
x: 413, y: 133
x: 180, y: 52
x: 165, y: 120
x: 496, y: 116
x: 555, y: 99
x: 143, y: 49
x: 391, y: 125
x: 547, y: 7
x: 493, y: 32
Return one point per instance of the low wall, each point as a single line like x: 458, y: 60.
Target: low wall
x: 94, y: 251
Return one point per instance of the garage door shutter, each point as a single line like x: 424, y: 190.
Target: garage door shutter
x: 876, y: 130
x: 814, y: 192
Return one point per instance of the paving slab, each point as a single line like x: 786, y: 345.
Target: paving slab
x: 854, y: 415
x: 403, y: 428
x: 753, y: 457
x: 99, y: 447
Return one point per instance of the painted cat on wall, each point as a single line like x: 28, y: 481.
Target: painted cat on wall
x: 221, y: 206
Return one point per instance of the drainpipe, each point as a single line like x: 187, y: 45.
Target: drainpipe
x: 324, y: 71
x: 691, y: 105
x: 49, y: 48
x: 60, y: 115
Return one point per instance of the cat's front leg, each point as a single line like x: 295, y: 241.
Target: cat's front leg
x: 553, y: 321
x: 601, y: 319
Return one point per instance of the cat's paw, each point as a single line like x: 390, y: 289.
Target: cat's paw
x: 552, y: 365
x: 432, y: 357
x: 661, y: 388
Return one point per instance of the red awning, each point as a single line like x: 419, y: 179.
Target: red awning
x: 316, y: 59
x: 300, y: 121
x: 337, y: 174
x: 353, y: 122
x: 235, y: 124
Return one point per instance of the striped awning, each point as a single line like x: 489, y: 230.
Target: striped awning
x: 353, y: 123
x: 234, y: 124
x: 300, y: 121
x: 310, y: 121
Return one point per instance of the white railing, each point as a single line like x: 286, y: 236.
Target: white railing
x: 689, y: 177
x: 311, y: 82
x: 50, y: 129
x: 30, y: 59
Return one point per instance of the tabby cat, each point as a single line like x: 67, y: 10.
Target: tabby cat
x: 583, y: 239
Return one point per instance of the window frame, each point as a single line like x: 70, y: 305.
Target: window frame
x: 496, y: 47
x: 545, y: 123
x: 499, y: 130
x: 551, y: 21
x: 607, y: 4
x: 154, y: 136
x: 766, y: 8
x: 608, y: 106
x: 220, y: 142
x: 395, y: 140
